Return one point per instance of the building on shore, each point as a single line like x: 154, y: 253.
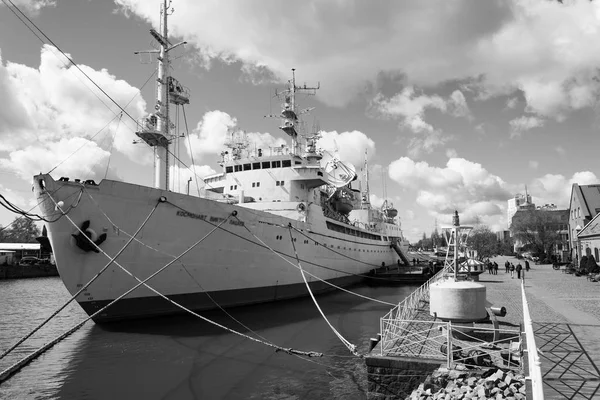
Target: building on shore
x: 551, y: 222
x: 20, y: 250
x: 503, y: 236
x: 588, y: 239
x: 583, y: 207
x: 519, y: 202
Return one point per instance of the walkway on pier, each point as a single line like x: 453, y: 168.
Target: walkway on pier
x: 566, y: 314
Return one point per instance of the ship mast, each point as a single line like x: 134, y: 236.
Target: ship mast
x: 289, y: 113
x: 155, y: 129
x: 366, y: 202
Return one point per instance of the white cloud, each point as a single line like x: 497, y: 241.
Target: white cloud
x: 451, y: 153
x: 546, y: 49
x: 33, y: 6
x: 512, y: 102
x: 480, y: 129
x: 556, y: 188
x: 524, y: 123
x: 36, y: 158
x: 457, y: 105
x: 560, y: 150
x: 410, y: 107
x: 462, y: 185
x: 49, y: 107
x: 217, y: 128
x: 349, y: 146
x: 533, y: 164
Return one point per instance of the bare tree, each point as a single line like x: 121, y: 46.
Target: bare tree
x: 483, y: 241
x: 538, y: 230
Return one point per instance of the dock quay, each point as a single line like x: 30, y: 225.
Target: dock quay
x: 27, y: 271
x: 489, y: 358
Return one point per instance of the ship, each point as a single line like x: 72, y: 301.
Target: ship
x: 273, y: 224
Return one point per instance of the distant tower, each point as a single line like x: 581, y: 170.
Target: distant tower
x: 519, y: 202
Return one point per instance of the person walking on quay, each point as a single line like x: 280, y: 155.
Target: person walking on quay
x: 512, y: 271
x: 506, y: 266
x: 495, y: 268
x: 526, y: 265
x: 519, y: 268
x: 489, y: 266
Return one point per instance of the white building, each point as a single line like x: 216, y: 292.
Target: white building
x: 519, y: 202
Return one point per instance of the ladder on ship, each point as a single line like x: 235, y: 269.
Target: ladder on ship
x: 394, y: 245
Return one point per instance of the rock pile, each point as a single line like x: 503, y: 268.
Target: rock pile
x: 494, y: 383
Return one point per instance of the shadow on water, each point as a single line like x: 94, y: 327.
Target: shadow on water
x: 256, y: 316
x: 181, y: 357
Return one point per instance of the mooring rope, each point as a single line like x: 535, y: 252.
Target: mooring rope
x: 349, y: 345
x: 217, y: 304
x: 83, y: 288
x: 23, y: 362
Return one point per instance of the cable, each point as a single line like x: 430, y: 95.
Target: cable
x: 111, y: 145
x: 84, y: 286
x: 349, y: 345
x: 66, y: 56
x: 187, y: 131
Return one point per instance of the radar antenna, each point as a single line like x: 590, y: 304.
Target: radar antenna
x: 289, y: 112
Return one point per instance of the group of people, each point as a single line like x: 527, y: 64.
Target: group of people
x: 492, y: 267
x: 510, y: 267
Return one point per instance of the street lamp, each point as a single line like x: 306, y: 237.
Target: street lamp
x: 188, y: 185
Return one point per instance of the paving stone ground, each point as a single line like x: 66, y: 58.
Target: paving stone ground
x: 565, y: 310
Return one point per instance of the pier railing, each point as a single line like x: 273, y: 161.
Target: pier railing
x: 405, y: 311
x: 471, y: 345
x: 533, y: 359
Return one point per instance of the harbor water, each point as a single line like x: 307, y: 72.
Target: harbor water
x: 182, y: 357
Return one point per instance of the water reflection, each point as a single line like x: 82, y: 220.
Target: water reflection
x: 182, y: 357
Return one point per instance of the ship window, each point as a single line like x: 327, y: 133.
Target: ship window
x: 276, y: 183
x: 228, y: 169
x: 301, y: 186
x: 297, y: 162
x: 286, y: 163
x: 266, y: 164
x: 257, y: 184
x: 247, y: 167
x: 276, y: 164
x: 238, y: 168
x: 235, y: 186
x: 253, y: 184
x: 280, y: 183
x: 256, y: 165
x: 231, y: 187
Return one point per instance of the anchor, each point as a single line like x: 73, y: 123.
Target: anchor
x: 85, y: 241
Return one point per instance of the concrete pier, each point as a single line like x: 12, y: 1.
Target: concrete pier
x: 565, y: 310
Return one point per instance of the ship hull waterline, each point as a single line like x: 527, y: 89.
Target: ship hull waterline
x: 230, y: 265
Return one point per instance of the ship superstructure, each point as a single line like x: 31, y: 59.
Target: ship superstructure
x: 239, y: 240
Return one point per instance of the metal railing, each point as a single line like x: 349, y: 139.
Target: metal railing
x: 535, y: 366
x: 406, y: 310
x: 469, y: 344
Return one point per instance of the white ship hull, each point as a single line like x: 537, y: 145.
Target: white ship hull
x: 231, y: 265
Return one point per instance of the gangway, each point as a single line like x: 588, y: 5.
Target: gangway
x: 394, y: 245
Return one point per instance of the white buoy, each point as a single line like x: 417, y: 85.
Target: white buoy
x: 454, y: 299
x: 457, y: 301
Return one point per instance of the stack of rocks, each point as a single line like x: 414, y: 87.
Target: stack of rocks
x: 496, y: 384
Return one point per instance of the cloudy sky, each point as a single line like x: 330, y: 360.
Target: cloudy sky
x: 460, y: 104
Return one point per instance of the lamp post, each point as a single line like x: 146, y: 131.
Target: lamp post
x: 188, y: 185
